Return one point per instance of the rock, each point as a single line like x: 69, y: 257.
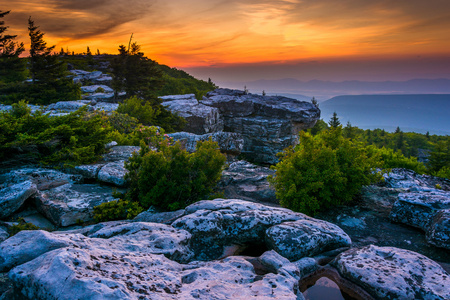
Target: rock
x: 99, y: 96
x: 278, y: 264
x: 200, y: 118
x: 158, y: 217
x: 392, y: 273
x: 119, y: 153
x: 89, y: 171
x: 72, y: 203
x: 438, y: 232
x: 95, y: 88
x: 302, y: 238
x: 230, y: 143
x: 410, y: 181
x: 243, y: 180
x: 94, y: 75
x: 68, y: 106
x: 111, y: 144
x: 419, y: 209
x: 13, y: 197
x: 3, y: 235
x: 105, y: 106
x: 44, y: 179
x: 217, y: 224
x: 113, y: 173
x: 268, y: 124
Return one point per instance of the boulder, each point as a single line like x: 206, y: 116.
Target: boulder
x: 219, y: 224
x: 68, y: 106
x: 268, y: 124
x: 305, y: 238
x: 393, y: 273
x: 230, y: 143
x: 94, y: 88
x: 200, y: 118
x: 438, y: 232
x: 3, y: 234
x: 410, y: 181
x: 246, y: 181
x: 418, y: 209
x: 119, y: 153
x: 44, y: 179
x: 113, y: 173
x: 13, y: 197
x: 72, y: 203
x: 152, y: 216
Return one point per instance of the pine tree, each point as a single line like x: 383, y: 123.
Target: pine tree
x: 50, y: 81
x: 12, y: 68
x: 334, y: 121
x: 314, y: 102
x: 135, y: 74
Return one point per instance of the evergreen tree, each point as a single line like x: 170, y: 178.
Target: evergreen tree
x: 439, y: 157
x: 135, y: 74
x: 50, y: 82
x: 314, y: 102
x: 334, y: 121
x: 12, y: 68
x: 349, y: 131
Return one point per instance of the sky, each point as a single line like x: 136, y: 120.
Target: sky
x: 230, y: 40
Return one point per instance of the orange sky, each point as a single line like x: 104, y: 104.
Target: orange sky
x: 196, y: 33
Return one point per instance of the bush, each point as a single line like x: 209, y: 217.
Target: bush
x: 135, y: 107
x: 395, y: 159
x: 322, y: 172
x: 116, y: 210
x: 172, y: 178
x: 22, y: 225
x: 444, y: 173
x: 76, y: 138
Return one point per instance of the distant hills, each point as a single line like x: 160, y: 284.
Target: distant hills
x: 323, y: 90
x: 418, y: 113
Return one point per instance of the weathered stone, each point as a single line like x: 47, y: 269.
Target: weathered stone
x: 418, y: 209
x: 302, y: 238
x: 214, y: 225
x: 89, y: 171
x: 44, y: 179
x: 231, y: 143
x: 95, y: 88
x: 410, y: 181
x: 246, y: 181
x: 13, y: 197
x: 3, y: 235
x: 158, y: 217
x: 392, y: 273
x: 268, y: 124
x: 99, y: 96
x: 72, y: 203
x: 68, y: 106
x: 113, y: 173
x: 118, y: 153
x: 438, y: 233
x: 105, y: 106
x: 200, y: 118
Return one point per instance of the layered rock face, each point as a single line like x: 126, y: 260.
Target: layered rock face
x: 268, y: 124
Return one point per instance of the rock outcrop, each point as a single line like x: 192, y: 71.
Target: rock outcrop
x: 268, y: 124
x: 13, y: 197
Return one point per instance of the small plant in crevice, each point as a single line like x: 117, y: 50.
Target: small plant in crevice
x: 22, y: 225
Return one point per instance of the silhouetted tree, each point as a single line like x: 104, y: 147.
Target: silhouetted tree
x: 314, y: 102
x: 12, y: 68
x: 334, y: 121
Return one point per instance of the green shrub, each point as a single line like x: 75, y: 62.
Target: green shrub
x: 76, y: 138
x: 322, y: 171
x: 22, y: 225
x: 395, y: 159
x: 444, y: 173
x: 143, y: 111
x: 172, y: 178
x: 116, y: 210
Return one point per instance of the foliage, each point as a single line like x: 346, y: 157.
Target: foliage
x: 323, y: 171
x: 12, y: 68
x: 76, y: 138
x: 139, y: 134
x: 444, y: 173
x: 116, y: 210
x: 334, y: 121
x: 395, y: 159
x: 439, y: 157
x: 134, y: 73
x: 143, y: 111
x: 22, y: 225
x: 172, y: 178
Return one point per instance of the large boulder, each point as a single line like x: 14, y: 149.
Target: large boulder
x: 113, y: 173
x: 438, y: 232
x: 268, y: 124
x: 246, y: 181
x: 305, y: 238
x: 70, y: 204
x: 13, y: 197
x: 201, y: 119
x: 44, y: 179
x: 393, y: 273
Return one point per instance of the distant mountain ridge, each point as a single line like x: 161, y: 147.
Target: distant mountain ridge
x: 418, y: 113
x: 324, y: 90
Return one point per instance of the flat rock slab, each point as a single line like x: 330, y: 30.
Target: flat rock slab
x: 305, y: 238
x: 113, y: 173
x: 118, y: 153
x: 70, y: 204
x: 393, y: 273
x: 13, y: 197
x: 44, y: 179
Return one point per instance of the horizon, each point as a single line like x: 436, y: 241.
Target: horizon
x: 248, y: 40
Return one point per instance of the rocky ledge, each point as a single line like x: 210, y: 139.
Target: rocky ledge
x: 221, y: 249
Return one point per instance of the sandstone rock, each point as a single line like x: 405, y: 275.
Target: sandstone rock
x: 3, y: 235
x: 231, y: 143
x: 13, y: 197
x: 392, y: 273
x: 94, y: 88
x: 72, y: 203
x: 410, y: 181
x: 438, y: 232
x: 105, y: 106
x: 268, y: 124
x: 419, y: 209
x: 220, y: 223
x: 113, y: 173
x: 200, y: 118
x: 89, y: 171
x: 94, y: 75
x: 99, y: 96
x: 119, y: 153
x: 158, y: 217
x: 68, y: 106
x: 302, y: 238
x: 44, y: 179
x: 246, y: 181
